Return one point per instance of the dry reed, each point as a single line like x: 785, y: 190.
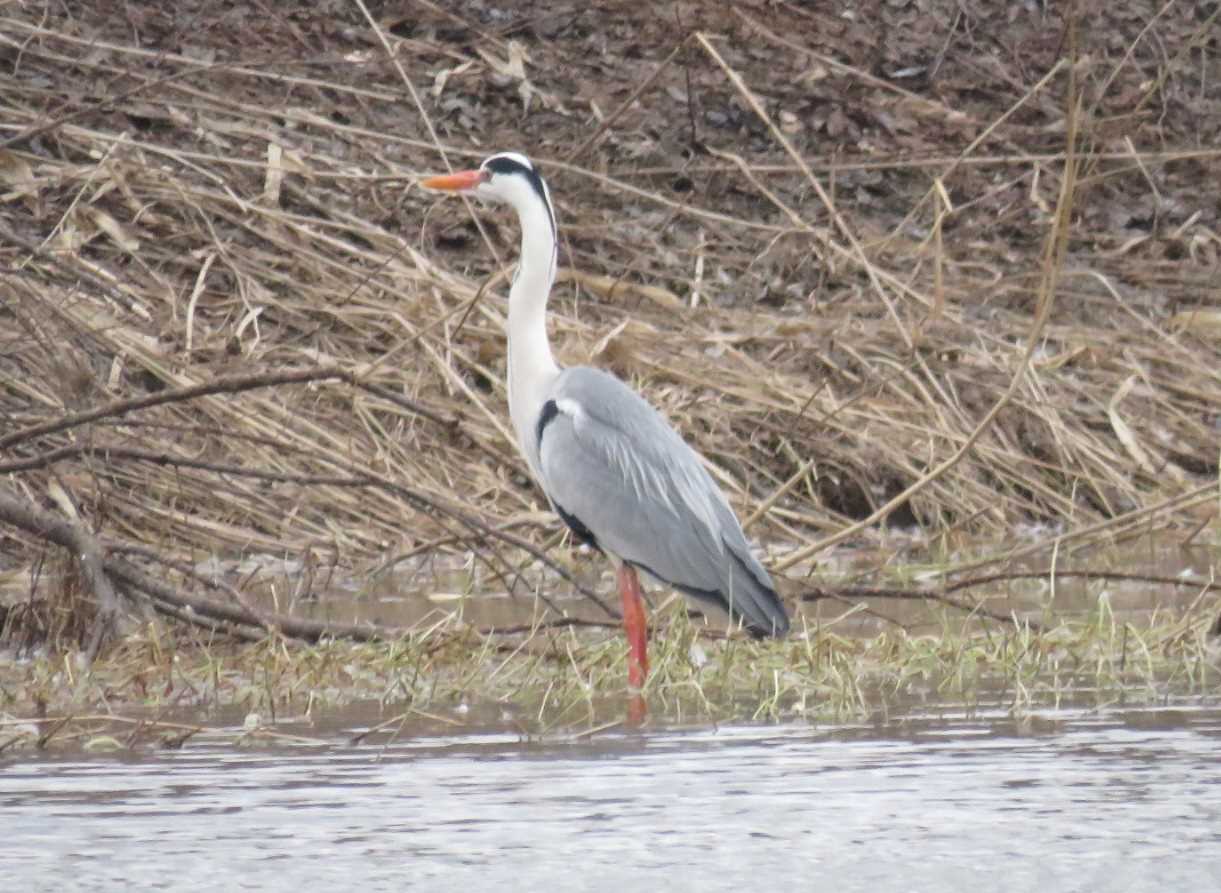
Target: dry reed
x: 236, y: 229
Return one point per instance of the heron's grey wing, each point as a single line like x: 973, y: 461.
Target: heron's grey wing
x: 622, y: 477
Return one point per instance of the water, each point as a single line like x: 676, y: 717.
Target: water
x: 421, y: 591
x: 1070, y: 800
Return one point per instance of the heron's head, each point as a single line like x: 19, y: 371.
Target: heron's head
x: 504, y: 177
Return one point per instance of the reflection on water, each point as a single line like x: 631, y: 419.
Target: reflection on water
x: 1069, y: 801
x: 426, y: 588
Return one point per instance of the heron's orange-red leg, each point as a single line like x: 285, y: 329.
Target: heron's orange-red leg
x: 634, y: 625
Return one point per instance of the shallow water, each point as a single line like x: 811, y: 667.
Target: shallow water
x: 426, y: 589
x: 1070, y: 800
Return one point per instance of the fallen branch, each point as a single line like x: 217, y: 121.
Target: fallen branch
x: 98, y: 566
x: 354, y: 478
x: 942, y: 595
x: 861, y: 592
x: 163, y: 595
x: 230, y: 385
x: 85, y: 552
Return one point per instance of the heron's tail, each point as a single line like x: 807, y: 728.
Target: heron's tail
x: 748, y: 595
x: 753, y: 600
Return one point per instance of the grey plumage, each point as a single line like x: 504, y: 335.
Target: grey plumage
x: 612, y: 463
x: 612, y: 467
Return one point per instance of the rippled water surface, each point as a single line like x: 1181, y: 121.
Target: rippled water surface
x: 1073, y: 800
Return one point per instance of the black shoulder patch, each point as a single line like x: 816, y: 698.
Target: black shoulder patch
x: 579, y: 530
x: 549, y: 411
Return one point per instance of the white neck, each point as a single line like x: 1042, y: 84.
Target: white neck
x: 532, y: 368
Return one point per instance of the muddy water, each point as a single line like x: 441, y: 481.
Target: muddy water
x: 1120, y: 800
x: 425, y: 590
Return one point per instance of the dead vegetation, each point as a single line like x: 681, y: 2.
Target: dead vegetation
x: 158, y: 691
x: 951, y: 266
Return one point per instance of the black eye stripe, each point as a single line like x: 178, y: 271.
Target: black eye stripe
x: 503, y: 164
x: 507, y: 164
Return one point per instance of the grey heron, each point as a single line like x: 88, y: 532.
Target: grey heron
x: 610, y: 465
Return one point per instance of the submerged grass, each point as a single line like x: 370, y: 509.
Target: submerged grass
x: 156, y: 689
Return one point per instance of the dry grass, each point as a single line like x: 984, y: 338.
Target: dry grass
x: 967, y: 331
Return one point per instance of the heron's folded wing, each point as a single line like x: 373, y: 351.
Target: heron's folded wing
x: 612, y: 463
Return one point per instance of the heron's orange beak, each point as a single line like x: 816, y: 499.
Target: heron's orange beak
x: 459, y: 182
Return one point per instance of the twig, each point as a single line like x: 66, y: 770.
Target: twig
x: 857, y: 250
x: 859, y: 592
x: 234, y: 385
x: 1053, y: 262
x: 610, y: 119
